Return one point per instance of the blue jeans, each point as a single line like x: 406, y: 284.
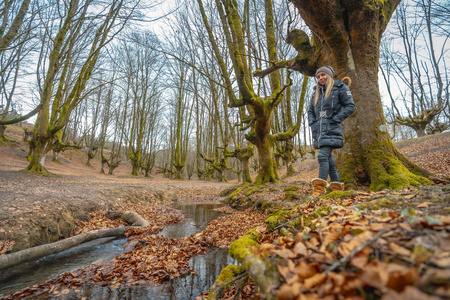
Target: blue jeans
x: 327, y: 165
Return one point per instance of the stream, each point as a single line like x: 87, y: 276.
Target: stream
x: 206, y: 266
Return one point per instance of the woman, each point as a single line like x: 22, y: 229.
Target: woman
x: 331, y: 104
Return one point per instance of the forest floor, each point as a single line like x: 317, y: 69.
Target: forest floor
x: 36, y: 210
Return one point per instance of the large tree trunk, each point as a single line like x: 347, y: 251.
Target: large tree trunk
x: 179, y: 173
x: 369, y: 154
x: 246, y: 178
x: 135, y: 165
x: 347, y: 36
x: 264, y: 144
x: 39, y: 147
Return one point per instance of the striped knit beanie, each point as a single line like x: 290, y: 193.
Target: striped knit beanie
x: 327, y: 70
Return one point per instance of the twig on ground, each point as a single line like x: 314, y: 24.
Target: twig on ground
x: 235, y: 278
x: 346, y: 259
x: 295, y: 218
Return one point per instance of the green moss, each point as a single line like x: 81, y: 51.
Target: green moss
x: 297, y: 223
x: 234, y: 194
x: 377, y: 204
x: 340, y: 194
x: 229, y: 272
x: 391, y: 173
x: 226, y: 275
x: 276, y: 218
x: 291, y: 196
x: 265, y: 205
x: 228, y: 191
x: 251, y: 190
x: 321, y: 211
x: 242, y: 247
x: 292, y: 188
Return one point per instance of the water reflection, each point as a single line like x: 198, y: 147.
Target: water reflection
x: 196, y: 218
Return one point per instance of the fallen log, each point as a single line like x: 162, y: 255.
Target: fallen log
x: 12, y: 259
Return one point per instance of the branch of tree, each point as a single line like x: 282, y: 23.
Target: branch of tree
x: 22, y: 118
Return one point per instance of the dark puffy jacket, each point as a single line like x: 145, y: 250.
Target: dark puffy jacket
x: 325, y: 118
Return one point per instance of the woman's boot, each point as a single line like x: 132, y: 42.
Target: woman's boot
x: 336, y: 186
x: 319, y: 187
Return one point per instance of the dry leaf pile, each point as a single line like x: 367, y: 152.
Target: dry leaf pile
x: 349, y: 254
x: 98, y: 220
x: 224, y: 230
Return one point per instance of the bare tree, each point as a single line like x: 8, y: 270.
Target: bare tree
x: 142, y: 68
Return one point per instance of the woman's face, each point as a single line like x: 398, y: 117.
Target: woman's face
x: 322, y: 78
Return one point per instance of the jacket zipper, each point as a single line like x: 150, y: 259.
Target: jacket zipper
x: 320, y: 124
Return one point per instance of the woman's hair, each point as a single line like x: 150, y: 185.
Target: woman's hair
x: 329, y: 84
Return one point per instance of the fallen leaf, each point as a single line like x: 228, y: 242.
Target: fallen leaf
x: 421, y: 254
x: 300, y: 249
x: 388, y: 275
x: 399, y: 250
x: 423, y: 204
x: 361, y: 258
x: 410, y: 292
x: 315, y: 280
x: 285, y: 253
x: 305, y: 270
x: 287, y: 292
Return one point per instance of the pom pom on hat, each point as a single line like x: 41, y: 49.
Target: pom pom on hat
x: 327, y: 70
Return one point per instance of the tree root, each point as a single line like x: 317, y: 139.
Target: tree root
x: 12, y: 259
x: 438, y: 180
